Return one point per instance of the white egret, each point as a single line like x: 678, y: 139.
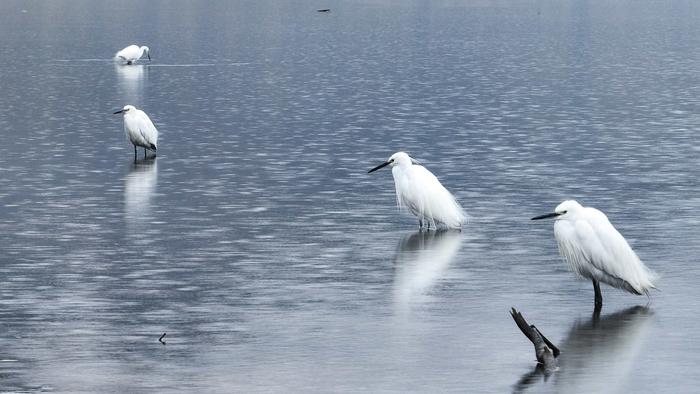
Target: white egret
x: 139, y: 129
x: 422, y: 194
x: 595, y: 250
x: 133, y: 53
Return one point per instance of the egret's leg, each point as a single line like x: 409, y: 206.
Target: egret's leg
x: 135, y: 157
x: 420, y: 223
x: 128, y: 62
x: 596, y: 314
x: 598, y: 295
x: 145, y: 153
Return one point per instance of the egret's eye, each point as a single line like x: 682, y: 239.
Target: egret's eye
x: 563, y: 212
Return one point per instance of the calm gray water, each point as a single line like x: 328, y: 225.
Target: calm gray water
x: 256, y: 239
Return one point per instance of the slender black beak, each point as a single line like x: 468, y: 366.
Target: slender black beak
x: 386, y: 163
x: 149, y: 56
x: 547, y: 216
x: 118, y: 112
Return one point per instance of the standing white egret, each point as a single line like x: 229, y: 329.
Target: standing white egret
x: 139, y: 129
x: 422, y: 194
x: 133, y: 53
x: 595, y: 250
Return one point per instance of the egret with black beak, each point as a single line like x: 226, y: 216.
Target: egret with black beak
x: 596, y: 251
x: 139, y: 129
x: 422, y: 194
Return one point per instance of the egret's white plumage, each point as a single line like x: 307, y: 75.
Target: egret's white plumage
x: 422, y: 194
x: 595, y: 250
x: 132, y: 53
x: 139, y: 129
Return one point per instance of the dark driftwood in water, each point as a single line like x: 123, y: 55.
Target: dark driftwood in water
x: 324, y: 10
x: 161, y: 339
x: 545, y: 350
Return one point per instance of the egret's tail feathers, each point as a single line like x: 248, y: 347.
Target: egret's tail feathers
x: 629, y: 288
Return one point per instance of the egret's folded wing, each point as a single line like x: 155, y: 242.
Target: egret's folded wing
x: 436, y: 199
x: 147, y: 129
x: 620, y: 260
x: 595, y: 249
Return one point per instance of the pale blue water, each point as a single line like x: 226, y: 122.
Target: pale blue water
x: 256, y: 239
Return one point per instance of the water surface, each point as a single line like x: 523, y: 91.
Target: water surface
x: 256, y: 239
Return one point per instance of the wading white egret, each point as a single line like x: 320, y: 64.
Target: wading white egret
x: 132, y: 53
x: 422, y: 194
x: 139, y: 129
x: 595, y: 250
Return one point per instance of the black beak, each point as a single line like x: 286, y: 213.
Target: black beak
x: 149, y: 56
x: 547, y: 216
x: 118, y: 112
x: 386, y: 163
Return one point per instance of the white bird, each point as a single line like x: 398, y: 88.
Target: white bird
x: 139, y: 129
x: 133, y: 53
x: 422, y: 194
x: 595, y: 250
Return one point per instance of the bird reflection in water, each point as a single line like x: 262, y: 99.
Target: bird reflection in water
x: 597, y: 353
x: 421, y: 260
x: 131, y: 81
x: 139, y: 187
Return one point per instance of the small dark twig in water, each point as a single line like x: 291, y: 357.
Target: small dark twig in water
x: 161, y: 339
x: 324, y: 10
x: 545, y: 350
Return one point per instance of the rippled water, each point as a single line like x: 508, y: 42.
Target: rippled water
x: 256, y: 239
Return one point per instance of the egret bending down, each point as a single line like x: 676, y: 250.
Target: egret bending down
x: 422, y: 194
x: 139, y: 129
x: 133, y: 53
x: 595, y: 250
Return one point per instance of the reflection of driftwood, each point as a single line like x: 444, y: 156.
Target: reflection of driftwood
x: 161, y: 339
x: 545, y: 350
x: 529, y: 378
